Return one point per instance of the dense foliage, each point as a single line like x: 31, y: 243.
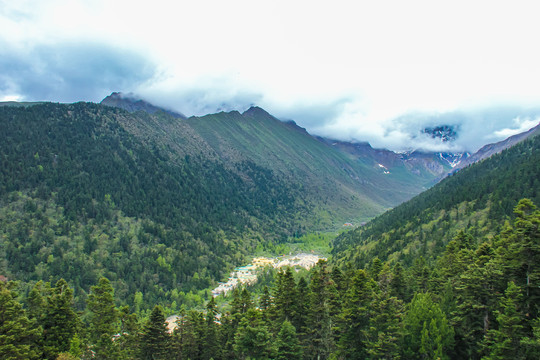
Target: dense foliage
x: 110, y: 226
x: 164, y: 206
x: 478, y: 300
x: 82, y: 197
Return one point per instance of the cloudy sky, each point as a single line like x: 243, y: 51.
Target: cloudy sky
x: 377, y: 71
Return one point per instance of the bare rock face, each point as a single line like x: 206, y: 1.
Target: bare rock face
x: 132, y: 104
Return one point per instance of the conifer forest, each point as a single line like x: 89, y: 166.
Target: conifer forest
x: 115, y: 226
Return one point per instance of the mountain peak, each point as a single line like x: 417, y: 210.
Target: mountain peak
x: 255, y: 111
x: 443, y: 132
x: 132, y: 103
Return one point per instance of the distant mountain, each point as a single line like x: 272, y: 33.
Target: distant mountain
x: 356, y: 190
x: 443, y: 132
x: 131, y: 103
x: 477, y: 199
x: 429, y: 166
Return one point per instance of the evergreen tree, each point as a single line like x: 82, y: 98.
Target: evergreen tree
x: 193, y: 335
x: 531, y: 344
x: 230, y: 322
x: 302, y: 310
x: 320, y: 342
x: 477, y: 291
x: 211, y: 346
x: 75, y: 347
x: 522, y: 256
x: 18, y: 336
x: 103, y: 320
x: 420, y: 275
x: 253, y: 340
x: 127, y: 342
x: 355, y: 316
x: 60, y: 323
x: 285, y: 296
x: 37, y: 300
x: 265, y: 302
x: 155, y: 338
x: 375, y: 268
x: 398, y: 283
x: 385, y: 327
x: 287, y: 341
x: 504, y: 342
x: 456, y: 257
x: 428, y: 334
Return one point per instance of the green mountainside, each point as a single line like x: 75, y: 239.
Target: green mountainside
x: 164, y: 205
x: 478, y: 199
x: 138, y: 209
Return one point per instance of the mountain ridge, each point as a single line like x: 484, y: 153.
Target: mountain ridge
x: 488, y: 150
x: 132, y: 103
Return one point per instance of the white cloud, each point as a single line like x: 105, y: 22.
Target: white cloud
x: 520, y: 125
x: 341, y: 68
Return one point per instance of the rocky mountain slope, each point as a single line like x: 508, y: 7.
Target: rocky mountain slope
x: 132, y: 104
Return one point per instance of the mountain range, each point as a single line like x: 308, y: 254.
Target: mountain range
x: 354, y: 184
x: 159, y: 202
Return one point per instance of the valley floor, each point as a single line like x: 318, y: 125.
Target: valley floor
x: 247, y: 275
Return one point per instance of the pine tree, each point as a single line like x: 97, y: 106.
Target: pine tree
x: 37, y: 300
x: 287, y: 341
x: 420, y: 275
x: 398, y: 283
x: 18, y: 336
x: 155, y: 338
x: 385, y: 327
x: 504, y: 342
x: 531, y: 344
x: 477, y: 291
x: 285, y: 296
x: 193, y: 335
x: 103, y: 319
x: 302, y: 310
x: 522, y: 256
x: 265, y: 302
x: 230, y: 322
x: 253, y: 339
x: 355, y: 316
x: 456, y: 257
x: 320, y: 322
x: 60, y: 323
x: 211, y: 346
x: 127, y: 342
x: 75, y: 347
x: 375, y: 268
x: 428, y: 334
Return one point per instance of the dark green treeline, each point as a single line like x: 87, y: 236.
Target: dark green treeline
x: 478, y: 300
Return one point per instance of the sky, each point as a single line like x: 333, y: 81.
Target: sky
x: 376, y: 71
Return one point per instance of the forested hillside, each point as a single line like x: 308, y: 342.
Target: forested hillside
x: 111, y: 220
x: 163, y: 205
x: 479, y: 199
x: 81, y: 197
x: 477, y: 300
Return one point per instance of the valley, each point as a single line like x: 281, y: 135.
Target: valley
x: 121, y: 216
x: 247, y: 275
